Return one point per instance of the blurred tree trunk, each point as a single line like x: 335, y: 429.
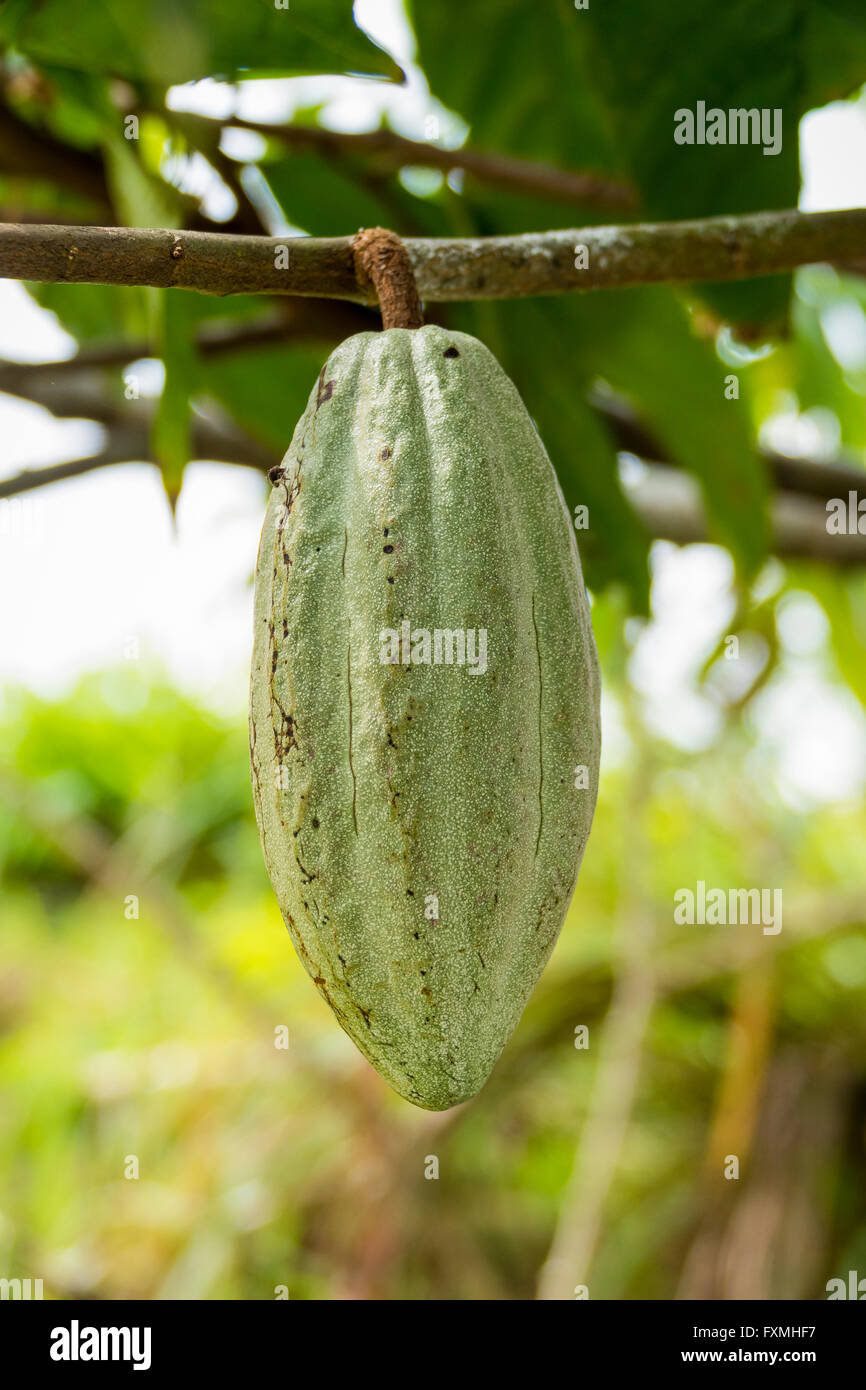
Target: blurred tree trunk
x: 768, y: 1234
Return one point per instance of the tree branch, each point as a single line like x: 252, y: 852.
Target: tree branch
x: 298, y: 320
x: 670, y: 506
x: 501, y: 267
x: 43, y: 383
x: 387, y: 152
x: 27, y: 152
x: 790, y: 473
x: 668, y: 502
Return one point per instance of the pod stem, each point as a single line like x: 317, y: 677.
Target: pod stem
x: 381, y: 260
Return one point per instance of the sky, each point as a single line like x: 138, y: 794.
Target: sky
x: 93, y: 576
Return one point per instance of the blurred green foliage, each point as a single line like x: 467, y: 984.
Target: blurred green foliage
x: 150, y: 1034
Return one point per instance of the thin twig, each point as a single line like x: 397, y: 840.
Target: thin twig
x: 387, y: 152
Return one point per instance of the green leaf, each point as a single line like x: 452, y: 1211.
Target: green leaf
x: 843, y: 599
x: 96, y: 313
x: 536, y: 340
x: 142, y: 199
x: 527, y: 90
x: 641, y: 341
x: 324, y: 198
x: 265, y: 389
x: 162, y: 42
x: 328, y: 198
x: 642, y: 344
x: 174, y: 330
x: 816, y: 375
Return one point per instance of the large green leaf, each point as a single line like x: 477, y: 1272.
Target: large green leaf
x: 641, y: 342
x: 535, y: 340
x: 526, y: 90
x: 265, y: 389
x: 600, y: 87
x: 96, y: 313
x: 162, y: 42
x: 330, y: 198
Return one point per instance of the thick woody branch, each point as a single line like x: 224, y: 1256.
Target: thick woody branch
x: 502, y: 267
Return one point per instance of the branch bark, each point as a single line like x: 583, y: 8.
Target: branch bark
x: 500, y: 267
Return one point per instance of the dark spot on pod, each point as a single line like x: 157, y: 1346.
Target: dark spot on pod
x: 388, y: 549
x: 385, y: 531
x: 386, y: 453
x: 315, y: 823
x: 390, y: 579
x: 451, y: 352
x: 275, y: 475
x: 325, y: 391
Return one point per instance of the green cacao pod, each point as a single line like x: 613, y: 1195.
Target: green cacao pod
x: 424, y: 724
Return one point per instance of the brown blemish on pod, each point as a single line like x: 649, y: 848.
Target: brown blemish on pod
x: 325, y: 389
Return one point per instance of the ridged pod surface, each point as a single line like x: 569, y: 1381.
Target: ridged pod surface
x: 423, y: 820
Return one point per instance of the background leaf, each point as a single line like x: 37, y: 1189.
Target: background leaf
x: 174, y: 325
x: 160, y: 42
